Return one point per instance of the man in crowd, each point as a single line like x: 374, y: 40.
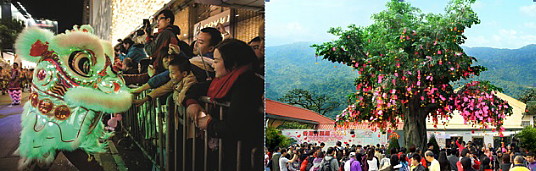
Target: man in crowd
x: 338, y: 150
x: 453, y: 159
x: 434, y: 166
x: 330, y: 162
x: 204, y: 48
x: 157, y: 48
x: 275, y: 159
x: 360, y: 149
x: 466, y: 164
x: 416, y: 164
x: 531, y: 162
x: 166, y: 35
x: 518, y: 164
x: 322, y: 145
x: 206, y: 42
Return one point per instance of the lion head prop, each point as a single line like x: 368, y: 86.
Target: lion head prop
x: 72, y: 87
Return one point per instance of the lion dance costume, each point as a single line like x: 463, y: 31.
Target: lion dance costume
x: 72, y: 87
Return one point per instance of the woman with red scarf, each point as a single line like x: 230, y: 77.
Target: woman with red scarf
x: 237, y: 83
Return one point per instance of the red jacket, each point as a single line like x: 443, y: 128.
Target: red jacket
x: 423, y: 162
x: 476, y: 166
x: 459, y: 166
x: 303, y: 166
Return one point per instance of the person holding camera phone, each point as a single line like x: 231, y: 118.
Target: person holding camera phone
x: 165, y: 36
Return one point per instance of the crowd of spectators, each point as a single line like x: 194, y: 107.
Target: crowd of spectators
x: 214, y: 65
x: 458, y: 156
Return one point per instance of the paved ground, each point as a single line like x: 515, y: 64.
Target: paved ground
x: 9, y: 140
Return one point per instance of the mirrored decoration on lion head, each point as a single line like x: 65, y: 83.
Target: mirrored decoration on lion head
x: 72, y: 87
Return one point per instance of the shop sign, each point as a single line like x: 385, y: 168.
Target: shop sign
x: 221, y: 18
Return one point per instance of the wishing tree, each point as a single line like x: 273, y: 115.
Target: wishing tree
x: 406, y: 61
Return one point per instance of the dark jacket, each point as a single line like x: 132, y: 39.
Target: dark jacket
x: 453, y: 160
x: 506, y: 166
x: 275, y: 161
x: 419, y: 168
x: 485, y: 163
x: 156, y: 48
x: 242, y: 121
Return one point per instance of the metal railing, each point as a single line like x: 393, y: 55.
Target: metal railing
x: 145, y: 125
x: 160, y: 131
x: 207, y: 158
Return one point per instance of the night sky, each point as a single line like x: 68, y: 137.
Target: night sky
x: 66, y: 12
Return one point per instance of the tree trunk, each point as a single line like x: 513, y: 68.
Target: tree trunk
x: 415, y: 125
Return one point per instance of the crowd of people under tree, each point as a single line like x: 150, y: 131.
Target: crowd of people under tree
x: 457, y: 156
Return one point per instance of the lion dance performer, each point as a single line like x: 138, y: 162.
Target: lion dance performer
x: 14, y: 84
x: 72, y: 87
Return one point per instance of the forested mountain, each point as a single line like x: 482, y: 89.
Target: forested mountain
x: 514, y: 70
x: 295, y: 66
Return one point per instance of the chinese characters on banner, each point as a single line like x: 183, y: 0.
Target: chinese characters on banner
x: 330, y: 137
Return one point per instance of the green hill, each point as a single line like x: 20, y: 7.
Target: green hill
x: 514, y: 70
x: 295, y: 66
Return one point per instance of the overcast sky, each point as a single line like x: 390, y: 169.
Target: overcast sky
x: 504, y: 23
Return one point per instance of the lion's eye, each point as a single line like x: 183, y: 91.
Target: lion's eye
x: 80, y: 63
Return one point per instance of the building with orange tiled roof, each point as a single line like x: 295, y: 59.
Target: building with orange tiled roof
x: 319, y: 128
x: 278, y: 113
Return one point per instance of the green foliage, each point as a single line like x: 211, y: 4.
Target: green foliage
x: 529, y: 95
x: 531, y: 108
x: 292, y: 125
x: 527, y: 138
x: 434, y: 142
x: 512, y: 69
x: 9, y: 30
x: 310, y: 100
x: 274, y: 138
x: 393, y: 143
